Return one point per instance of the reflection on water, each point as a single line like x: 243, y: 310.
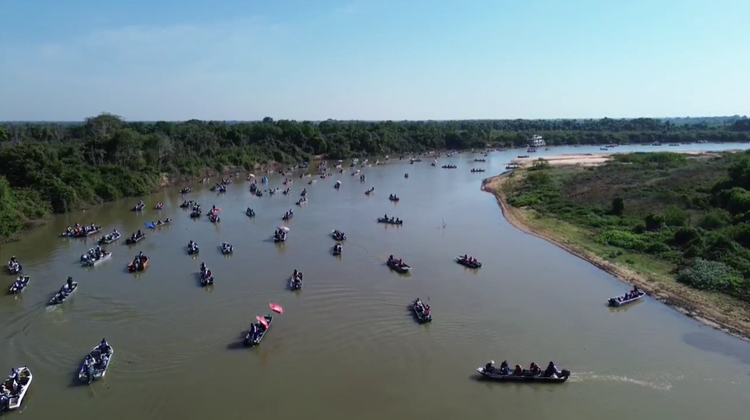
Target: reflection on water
x: 350, y: 331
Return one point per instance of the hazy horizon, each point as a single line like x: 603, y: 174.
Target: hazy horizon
x: 418, y: 60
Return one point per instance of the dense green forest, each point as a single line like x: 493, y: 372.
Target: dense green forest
x: 692, y: 212
x: 61, y: 167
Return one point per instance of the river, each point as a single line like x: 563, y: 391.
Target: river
x: 347, y: 346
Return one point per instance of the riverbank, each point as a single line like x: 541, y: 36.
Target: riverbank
x: 655, y: 277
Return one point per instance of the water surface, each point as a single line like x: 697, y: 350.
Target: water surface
x: 347, y: 345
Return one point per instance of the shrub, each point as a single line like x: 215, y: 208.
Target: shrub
x: 622, y: 239
x: 709, y: 275
x: 618, y: 206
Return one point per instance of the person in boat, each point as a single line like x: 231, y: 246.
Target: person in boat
x: 13, y: 377
x: 426, y: 310
x: 518, y: 371
x: 4, y: 398
x: 88, y: 363
x: 504, y: 369
x: 535, y: 369
x: 490, y: 366
x: 104, y: 347
x: 551, y: 370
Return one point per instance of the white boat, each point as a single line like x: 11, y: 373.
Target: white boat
x: 25, y: 377
x: 91, y: 262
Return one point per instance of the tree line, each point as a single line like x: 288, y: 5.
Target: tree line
x: 60, y: 167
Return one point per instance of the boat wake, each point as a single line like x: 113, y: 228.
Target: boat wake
x: 660, y: 384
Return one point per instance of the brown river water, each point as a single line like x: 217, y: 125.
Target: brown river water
x: 347, y: 346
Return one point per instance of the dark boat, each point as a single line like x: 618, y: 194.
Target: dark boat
x: 527, y: 376
x: 626, y: 299
x: 250, y: 212
x: 421, y: 311
x: 254, y: 340
x: 401, y: 268
x: 135, y: 239
x: 391, y: 221
x: 337, y: 249
x: 19, y: 285
x: 295, y: 284
x: 394, y: 198
x: 186, y: 190
x: 192, y: 248
x: 338, y: 235
x: 466, y: 263
x: 226, y: 248
x: 206, y: 280
x: 195, y: 214
x: 139, y: 207
x: 59, y: 298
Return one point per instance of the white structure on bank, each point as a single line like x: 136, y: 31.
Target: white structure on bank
x: 537, y: 141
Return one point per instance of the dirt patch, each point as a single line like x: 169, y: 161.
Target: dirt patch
x: 731, y: 317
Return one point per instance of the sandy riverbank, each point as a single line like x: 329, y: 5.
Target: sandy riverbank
x: 592, y: 159
x: 732, y: 318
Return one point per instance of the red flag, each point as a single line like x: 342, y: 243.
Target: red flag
x: 276, y: 308
x: 262, y: 320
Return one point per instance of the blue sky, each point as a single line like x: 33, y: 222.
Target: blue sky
x: 363, y: 59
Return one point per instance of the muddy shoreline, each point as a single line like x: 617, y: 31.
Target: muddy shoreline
x: 678, y: 297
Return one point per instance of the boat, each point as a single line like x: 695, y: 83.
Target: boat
x: 226, y: 248
x: 337, y: 249
x: 19, y: 285
x: 475, y: 170
x: 186, y: 190
x: 255, y: 339
x: 527, y: 376
x: 139, y: 207
x: 421, y: 311
x: 626, y: 299
x: 370, y: 191
x: 466, y: 263
x: 132, y: 267
x: 195, y: 214
x: 214, y: 218
x: 391, y: 221
x: 405, y: 175
x: 90, y: 262
x: 295, y: 284
x: 394, y: 265
x: 287, y: 216
x: 449, y: 166
x: 394, y: 198
x: 192, y: 248
x: 135, y: 239
x: 250, y: 212
x: 97, y: 370
x: 59, y: 298
x: 14, y: 267
x: 109, y: 238
x: 206, y: 279
x: 24, y: 378
x: 338, y: 235
x: 159, y: 206
x: 337, y: 185
x: 162, y: 222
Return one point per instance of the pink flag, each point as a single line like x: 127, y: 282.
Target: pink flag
x: 276, y: 308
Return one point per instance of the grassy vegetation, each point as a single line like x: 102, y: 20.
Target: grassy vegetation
x: 60, y: 167
x: 663, y: 214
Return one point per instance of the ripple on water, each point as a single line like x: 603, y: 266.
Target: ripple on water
x: 663, y: 383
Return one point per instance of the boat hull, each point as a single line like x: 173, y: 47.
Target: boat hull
x: 495, y: 376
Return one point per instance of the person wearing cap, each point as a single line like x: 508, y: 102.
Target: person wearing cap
x: 551, y: 370
x: 490, y: 366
